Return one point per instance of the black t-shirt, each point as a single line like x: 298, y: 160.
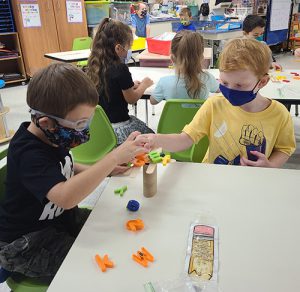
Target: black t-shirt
x: 115, y: 106
x: 33, y: 168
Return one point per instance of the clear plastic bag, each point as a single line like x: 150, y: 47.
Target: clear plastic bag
x: 182, y: 284
x: 201, y: 263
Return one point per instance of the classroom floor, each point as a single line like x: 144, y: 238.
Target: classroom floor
x: 15, y: 99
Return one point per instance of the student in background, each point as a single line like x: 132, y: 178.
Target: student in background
x: 39, y: 217
x: 186, y: 20
x: 254, y: 27
x: 189, y: 81
x: 106, y: 68
x: 243, y: 127
x: 140, y: 21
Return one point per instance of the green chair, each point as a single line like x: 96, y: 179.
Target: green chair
x: 82, y: 44
x: 25, y: 284
x: 175, y: 115
x: 102, y: 140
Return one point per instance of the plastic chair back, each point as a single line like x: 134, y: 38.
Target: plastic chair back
x: 102, y: 140
x: 82, y: 44
x: 175, y: 115
x: 26, y: 285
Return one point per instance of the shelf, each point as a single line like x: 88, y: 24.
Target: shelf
x: 10, y: 64
x: 10, y: 58
x: 16, y: 81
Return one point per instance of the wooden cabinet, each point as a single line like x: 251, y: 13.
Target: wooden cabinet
x: 54, y: 34
x: 11, y: 61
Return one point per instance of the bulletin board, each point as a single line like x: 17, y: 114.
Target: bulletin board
x: 278, y: 17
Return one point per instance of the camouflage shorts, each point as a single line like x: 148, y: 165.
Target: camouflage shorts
x: 40, y: 253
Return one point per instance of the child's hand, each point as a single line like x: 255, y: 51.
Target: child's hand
x: 136, y: 84
x: 132, y: 147
x: 276, y: 66
x: 297, y: 52
x: 147, y: 82
x: 119, y: 169
x: 262, y: 160
x: 151, y: 142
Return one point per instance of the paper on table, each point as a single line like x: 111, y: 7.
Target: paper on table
x: 91, y: 200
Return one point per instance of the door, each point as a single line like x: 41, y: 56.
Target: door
x: 36, y: 26
x: 70, y: 21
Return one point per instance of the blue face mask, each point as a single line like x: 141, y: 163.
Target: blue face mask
x: 238, y: 97
x: 260, y: 38
x: 65, y: 137
x: 128, y: 56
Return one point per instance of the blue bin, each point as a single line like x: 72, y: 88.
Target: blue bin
x: 217, y: 17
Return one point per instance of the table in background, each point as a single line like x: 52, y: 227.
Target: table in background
x: 74, y: 56
x: 273, y: 90
x: 146, y: 58
x: 216, y: 35
x: 256, y: 210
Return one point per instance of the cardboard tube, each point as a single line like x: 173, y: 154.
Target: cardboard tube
x: 149, y: 182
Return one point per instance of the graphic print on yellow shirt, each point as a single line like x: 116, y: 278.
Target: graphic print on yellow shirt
x: 233, y: 133
x: 251, y: 137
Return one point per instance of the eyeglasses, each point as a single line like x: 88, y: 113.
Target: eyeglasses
x: 79, y: 125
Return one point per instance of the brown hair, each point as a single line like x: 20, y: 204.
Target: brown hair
x: 246, y: 54
x: 187, y: 50
x: 103, y: 55
x: 185, y: 11
x: 59, y: 88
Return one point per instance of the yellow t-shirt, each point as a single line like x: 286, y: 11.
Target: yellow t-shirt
x: 233, y: 132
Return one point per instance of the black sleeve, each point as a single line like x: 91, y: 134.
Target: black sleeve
x: 124, y: 77
x: 273, y: 58
x: 40, y: 173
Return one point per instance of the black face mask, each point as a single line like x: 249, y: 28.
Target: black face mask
x: 144, y: 12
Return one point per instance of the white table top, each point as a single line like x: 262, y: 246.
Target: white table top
x: 73, y: 56
x: 256, y: 210
x: 70, y: 56
x: 231, y: 34
x: 273, y: 90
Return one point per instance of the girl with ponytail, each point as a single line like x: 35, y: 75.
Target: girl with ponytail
x: 108, y: 70
x: 189, y: 81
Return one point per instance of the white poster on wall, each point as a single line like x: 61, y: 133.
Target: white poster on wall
x: 280, y: 14
x: 74, y: 11
x: 31, y: 15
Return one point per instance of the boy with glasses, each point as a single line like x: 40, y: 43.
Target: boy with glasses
x: 39, y: 217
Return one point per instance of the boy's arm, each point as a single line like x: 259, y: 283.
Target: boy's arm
x: 276, y: 160
x: 169, y: 142
x: 78, y: 167
x: 69, y: 193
